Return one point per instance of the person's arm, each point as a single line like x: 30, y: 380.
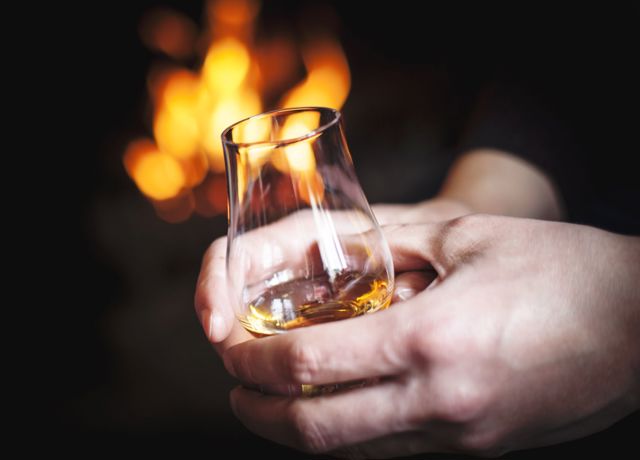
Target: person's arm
x: 495, y: 182
x: 483, y: 181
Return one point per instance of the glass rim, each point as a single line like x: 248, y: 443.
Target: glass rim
x: 282, y: 142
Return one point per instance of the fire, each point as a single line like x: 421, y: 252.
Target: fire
x: 230, y: 109
x: 175, y: 124
x: 179, y: 170
x: 226, y: 66
x: 169, y: 32
x: 157, y: 174
x: 328, y: 79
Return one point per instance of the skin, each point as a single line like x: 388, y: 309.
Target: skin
x: 527, y: 335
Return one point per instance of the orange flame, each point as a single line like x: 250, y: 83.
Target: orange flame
x: 328, y: 78
x: 157, y: 174
x: 191, y: 109
x: 170, y: 32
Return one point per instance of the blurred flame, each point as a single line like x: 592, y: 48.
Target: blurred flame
x: 297, y: 157
x: 228, y: 110
x: 175, y: 125
x: 157, y: 174
x: 327, y: 85
x: 195, y: 169
x: 226, y: 66
x: 176, y: 209
x: 311, y: 187
x: 328, y: 78
x: 191, y: 109
x: 168, y: 31
x: 233, y: 12
x: 254, y: 130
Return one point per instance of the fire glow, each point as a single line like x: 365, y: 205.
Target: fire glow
x: 181, y: 169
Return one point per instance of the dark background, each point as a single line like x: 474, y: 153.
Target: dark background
x: 125, y: 361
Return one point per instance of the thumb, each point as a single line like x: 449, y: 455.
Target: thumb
x: 211, y: 298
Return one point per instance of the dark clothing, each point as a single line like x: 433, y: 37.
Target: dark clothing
x: 559, y: 87
x: 577, y: 119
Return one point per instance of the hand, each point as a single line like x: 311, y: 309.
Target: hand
x: 528, y: 337
x: 212, y: 306
x: 436, y: 209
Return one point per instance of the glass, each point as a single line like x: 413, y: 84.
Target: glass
x: 303, y: 245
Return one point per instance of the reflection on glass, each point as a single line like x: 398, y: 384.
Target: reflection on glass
x: 303, y: 245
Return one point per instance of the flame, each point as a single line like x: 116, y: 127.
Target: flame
x: 226, y: 66
x: 227, y: 111
x: 232, y: 12
x: 179, y: 172
x: 157, y: 174
x: 175, y: 125
x: 311, y: 188
x: 327, y: 84
x: 328, y: 78
x: 170, y: 32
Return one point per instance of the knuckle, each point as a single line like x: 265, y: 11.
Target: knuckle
x: 309, y: 436
x: 453, y: 229
x: 461, y: 238
x: 463, y: 404
x: 469, y: 221
x: 303, y: 361
x: 419, y: 343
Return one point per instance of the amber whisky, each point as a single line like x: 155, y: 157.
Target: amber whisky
x: 307, y: 301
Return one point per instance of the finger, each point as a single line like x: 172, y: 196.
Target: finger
x: 434, y: 210
x: 257, y: 255
x: 443, y: 245
x: 392, y: 446
x: 326, y: 423
x: 211, y: 301
x: 390, y: 213
x: 409, y: 284
x: 357, y: 348
x: 413, y: 246
x: 237, y: 336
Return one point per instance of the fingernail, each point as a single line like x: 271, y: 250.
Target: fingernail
x: 405, y: 294
x: 216, y: 328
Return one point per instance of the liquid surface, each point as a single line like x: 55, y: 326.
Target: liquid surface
x: 305, y: 302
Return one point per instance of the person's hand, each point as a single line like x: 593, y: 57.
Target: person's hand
x: 211, y: 301
x: 436, y: 209
x: 528, y: 337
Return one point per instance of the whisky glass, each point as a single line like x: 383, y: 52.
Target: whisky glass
x: 303, y: 246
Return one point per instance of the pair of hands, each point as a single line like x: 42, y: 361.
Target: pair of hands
x: 527, y: 337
